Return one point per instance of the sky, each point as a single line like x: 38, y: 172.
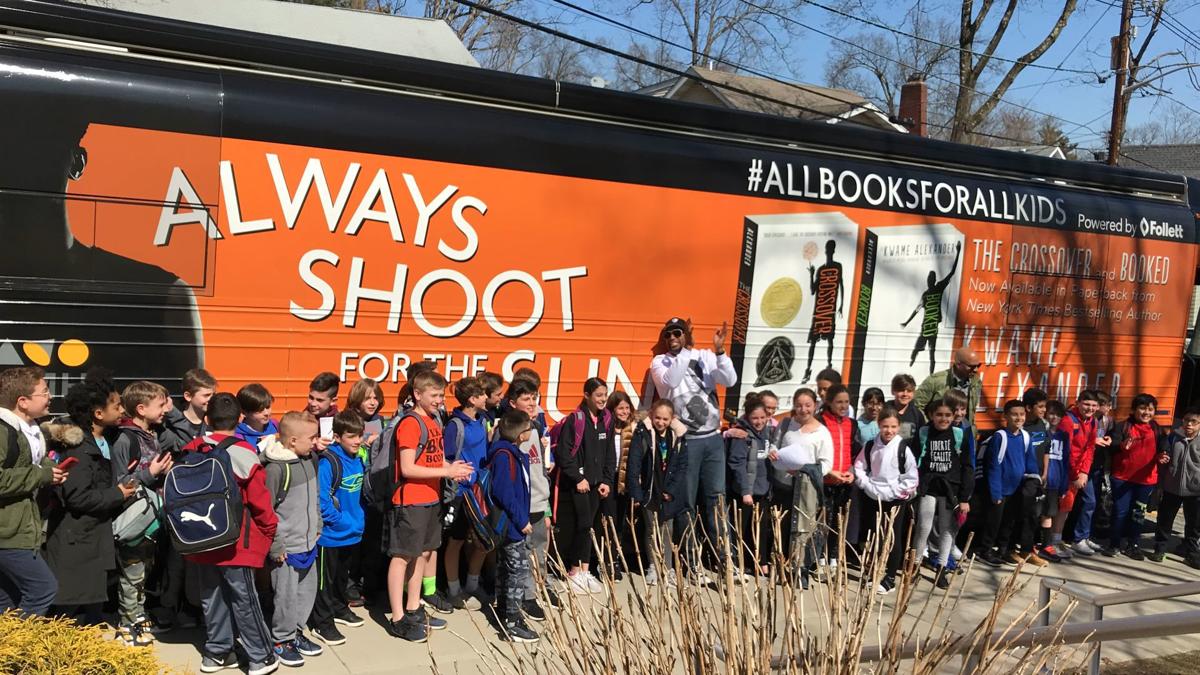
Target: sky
x: 1081, y: 103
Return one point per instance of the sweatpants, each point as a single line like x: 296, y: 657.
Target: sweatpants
x: 1168, y: 508
x: 900, y: 528
x: 333, y: 567
x: 1008, y: 527
x: 26, y: 582
x: 295, y: 593
x: 931, y: 510
x: 228, y: 599
x: 133, y: 565
x: 574, y: 522
x: 537, y: 544
x: 511, y: 572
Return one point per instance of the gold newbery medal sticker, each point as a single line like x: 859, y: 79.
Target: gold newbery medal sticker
x: 781, y: 302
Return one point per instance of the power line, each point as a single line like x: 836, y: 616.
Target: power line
x: 935, y: 76
x: 957, y: 48
x: 1077, y: 43
x: 680, y: 73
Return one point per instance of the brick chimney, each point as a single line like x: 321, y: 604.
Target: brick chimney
x: 914, y: 101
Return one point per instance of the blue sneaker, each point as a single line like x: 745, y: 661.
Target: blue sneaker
x: 286, y: 653
x: 433, y: 622
x: 307, y: 647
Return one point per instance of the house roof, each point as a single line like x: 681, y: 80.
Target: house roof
x: 1183, y: 159
x: 406, y: 36
x: 1040, y: 150
x: 805, y: 101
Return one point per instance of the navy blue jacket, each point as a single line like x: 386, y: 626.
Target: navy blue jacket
x: 510, y: 485
x: 647, y: 479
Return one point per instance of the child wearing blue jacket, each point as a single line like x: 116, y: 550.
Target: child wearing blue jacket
x: 509, y: 469
x: 340, y: 479
x: 1055, y: 473
x: 1008, y: 459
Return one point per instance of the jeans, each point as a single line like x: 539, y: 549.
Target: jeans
x: 1130, y: 501
x: 26, y: 582
x: 1087, y: 507
x: 705, y: 484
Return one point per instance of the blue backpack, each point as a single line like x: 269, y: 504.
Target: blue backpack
x: 202, y: 502
x: 489, y: 522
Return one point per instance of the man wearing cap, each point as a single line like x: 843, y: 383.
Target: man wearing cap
x: 689, y: 377
x: 962, y: 375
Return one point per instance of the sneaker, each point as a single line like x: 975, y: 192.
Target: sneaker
x: 1082, y: 548
x: 533, y: 610
x: 307, y: 647
x: 348, y: 618
x: 1052, y: 553
x: 1013, y: 558
x: 555, y: 601
x: 1194, y: 562
x: 1135, y: 553
x: 1036, y: 560
x: 671, y: 581
x: 886, y: 585
x: 517, y: 631
x: 594, y: 585
x: 458, y: 600
x: 409, y: 628
x: 942, y: 578
x: 212, y: 664
x: 357, y: 602
x: 437, y: 602
x: 433, y: 622
x: 1064, y: 551
x: 578, y: 584
x: 286, y: 653
x: 265, y: 668
x: 651, y: 577
x: 1158, y: 554
x: 330, y: 635
x: 1109, y: 551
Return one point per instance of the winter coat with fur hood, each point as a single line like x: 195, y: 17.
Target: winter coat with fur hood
x: 79, y: 540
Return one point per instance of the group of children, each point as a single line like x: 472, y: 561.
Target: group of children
x: 1011, y: 497
x: 315, y: 537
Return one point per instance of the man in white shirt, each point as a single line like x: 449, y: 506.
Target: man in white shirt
x: 689, y: 377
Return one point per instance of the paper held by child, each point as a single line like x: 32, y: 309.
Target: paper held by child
x: 792, y: 457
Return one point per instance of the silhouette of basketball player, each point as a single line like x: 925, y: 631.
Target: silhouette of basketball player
x: 931, y: 304
x: 133, y: 317
x: 829, y: 297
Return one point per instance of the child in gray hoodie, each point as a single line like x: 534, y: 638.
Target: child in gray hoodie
x: 292, y: 481
x: 1180, y: 481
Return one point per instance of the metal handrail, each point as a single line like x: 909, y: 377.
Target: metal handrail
x: 1099, y: 601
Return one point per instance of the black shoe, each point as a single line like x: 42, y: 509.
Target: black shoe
x: 886, y: 585
x: 555, y: 602
x: 305, y: 646
x: 348, y: 618
x: 410, y: 628
x: 1135, y: 553
x: 1109, y: 551
x: 941, y: 578
x: 991, y: 558
x: 516, y: 631
x: 330, y: 635
x: 1158, y: 554
x: 1193, y: 562
x: 432, y: 622
x: 533, y: 610
x: 437, y: 602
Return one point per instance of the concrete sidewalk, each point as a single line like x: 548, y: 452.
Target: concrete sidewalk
x: 461, y: 648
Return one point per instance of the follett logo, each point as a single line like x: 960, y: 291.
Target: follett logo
x: 1153, y: 228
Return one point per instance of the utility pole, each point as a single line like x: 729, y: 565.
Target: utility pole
x: 1120, y: 64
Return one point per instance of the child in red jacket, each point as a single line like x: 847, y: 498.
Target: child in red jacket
x: 836, y: 416
x: 227, y: 574
x: 1080, y: 427
x: 1134, y: 475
